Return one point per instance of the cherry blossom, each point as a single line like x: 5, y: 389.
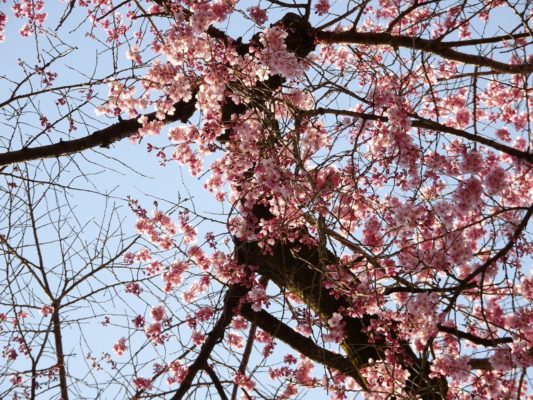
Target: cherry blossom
x: 120, y: 346
x: 46, y: 310
x: 142, y: 383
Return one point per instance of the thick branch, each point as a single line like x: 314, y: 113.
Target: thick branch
x: 419, y: 122
x: 300, y: 343
x: 443, y: 49
x: 103, y: 138
x: 491, y: 39
x: 473, y: 338
x: 247, y: 348
x: 218, y: 385
x: 233, y: 297
x: 60, y: 354
x: 480, y: 363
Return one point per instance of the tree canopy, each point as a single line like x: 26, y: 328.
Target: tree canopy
x: 370, y: 166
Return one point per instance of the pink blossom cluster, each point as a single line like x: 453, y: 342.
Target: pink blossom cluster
x: 423, y: 318
x: 3, y: 22
x: 121, y: 99
x: 184, y: 226
x: 274, y: 55
x: 468, y: 194
x: 269, y: 343
x: 183, y: 152
x: 244, y: 382
x: 134, y: 288
x: 142, y: 383
x: 120, y: 347
x: 173, y: 277
x: 257, y: 297
x: 177, y: 372
x: 336, y: 329
x: 322, y: 7
x: 160, y: 229
x: 32, y: 11
x: 303, y: 372
x: 234, y: 340
x: 46, y: 310
x: 16, y: 380
x: 300, y: 375
x: 154, y: 330
x: 196, y: 289
x: 197, y: 338
x: 257, y: 14
x: 385, y: 379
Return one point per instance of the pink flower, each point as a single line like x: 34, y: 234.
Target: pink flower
x: 134, y: 54
x: 501, y: 359
x: 179, y: 371
x: 257, y: 297
x: 322, y: 7
x: 31, y: 11
x: 16, y: 380
x: 234, y: 340
x: 239, y: 323
x: 197, y: 338
x: 472, y: 162
x: 462, y: 118
x: 371, y: 233
x: 244, y: 382
x: 189, y: 232
x: 257, y: 14
x: 495, y: 180
x: 468, y: 194
x: 10, y: 354
x: 336, y: 329
x: 274, y: 54
x: 142, y: 383
x: 120, y: 346
x: 46, y: 310
x: 158, y: 313
x: 451, y: 367
x: 503, y: 134
x: 3, y: 21
x: 138, y: 321
x: 174, y: 276
x: 133, y: 288
x: 153, y: 332
x: 302, y: 375
x: 289, y: 359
